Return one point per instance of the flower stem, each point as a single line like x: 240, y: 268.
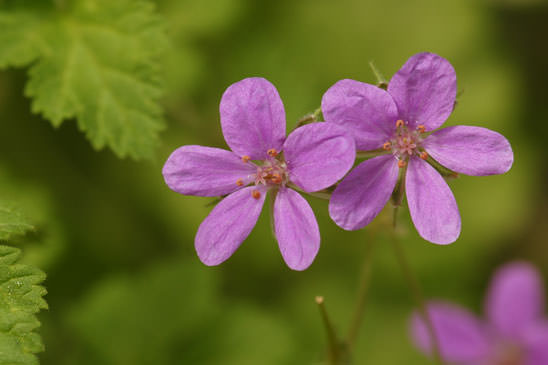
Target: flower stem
x: 371, y: 154
x: 334, y: 353
x: 417, y: 294
x: 363, y: 288
x: 322, y: 194
x: 381, y: 80
x: 444, y: 171
x: 310, y: 118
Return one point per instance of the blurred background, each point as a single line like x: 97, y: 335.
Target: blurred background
x: 125, y: 285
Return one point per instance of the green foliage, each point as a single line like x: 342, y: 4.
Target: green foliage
x: 20, y: 39
x: 189, y: 21
x: 20, y: 292
x: 12, y: 222
x: 94, y: 60
x: 137, y: 320
x: 20, y: 299
x: 173, y: 314
x: 38, y: 230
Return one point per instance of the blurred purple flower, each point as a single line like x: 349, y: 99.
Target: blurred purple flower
x: 314, y: 157
x: 420, y: 97
x: 514, y: 333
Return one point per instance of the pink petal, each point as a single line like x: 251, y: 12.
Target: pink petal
x: 318, y: 155
x: 362, y: 194
x: 431, y: 203
x: 206, y: 171
x: 536, y: 344
x: 227, y: 226
x: 424, y: 90
x: 253, y: 118
x: 515, y: 299
x: 367, y: 111
x: 470, y: 150
x: 461, y: 337
x: 296, y: 229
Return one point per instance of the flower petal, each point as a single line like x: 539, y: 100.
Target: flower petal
x: 206, y: 171
x: 461, y: 337
x: 515, y: 299
x: 227, y: 226
x: 536, y: 344
x: 253, y: 118
x: 362, y: 194
x: 470, y: 150
x: 318, y: 155
x: 367, y: 111
x: 296, y: 229
x: 424, y: 90
x: 431, y: 203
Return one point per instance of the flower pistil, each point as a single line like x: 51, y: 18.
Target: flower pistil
x: 271, y: 172
x: 406, y: 142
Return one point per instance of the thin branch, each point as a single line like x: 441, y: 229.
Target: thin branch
x: 418, y: 296
x: 365, y: 279
x: 333, y: 348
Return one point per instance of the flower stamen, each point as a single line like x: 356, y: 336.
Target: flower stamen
x: 272, y: 172
x: 240, y: 182
x: 424, y: 155
x: 276, y: 178
x: 246, y: 158
x: 256, y: 194
x: 405, y: 142
x: 402, y: 164
x: 272, y: 152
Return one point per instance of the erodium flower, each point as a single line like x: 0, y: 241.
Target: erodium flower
x: 262, y: 161
x: 398, y: 122
x: 515, y: 331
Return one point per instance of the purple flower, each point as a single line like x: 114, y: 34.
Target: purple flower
x: 420, y: 97
x: 314, y: 157
x: 514, y: 333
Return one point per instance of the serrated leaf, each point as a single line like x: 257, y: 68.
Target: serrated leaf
x: 31, y: 224
x: 102, y: 72
x: 20, y: 37
x: 101, y: 68
x: 12, y: 222
x: 20, y: 299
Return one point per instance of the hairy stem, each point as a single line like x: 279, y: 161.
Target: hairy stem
x: 334, y: 353
x: 381, y: 80
x: 363, y: 287
x: 417, y: 294
x: 322, y: 194
x: 310, y: 118
x: 371, y: 154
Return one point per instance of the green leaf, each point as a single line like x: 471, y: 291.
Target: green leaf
x: 12, y: 222
x: 38, y: 231
x: 20, y: 39
x: 20, y: 299
x: 96, y: 61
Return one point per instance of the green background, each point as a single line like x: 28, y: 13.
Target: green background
x: 125, y: 285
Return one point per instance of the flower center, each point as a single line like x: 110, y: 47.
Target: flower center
x: 272, y: 173
x: 406, y: 142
